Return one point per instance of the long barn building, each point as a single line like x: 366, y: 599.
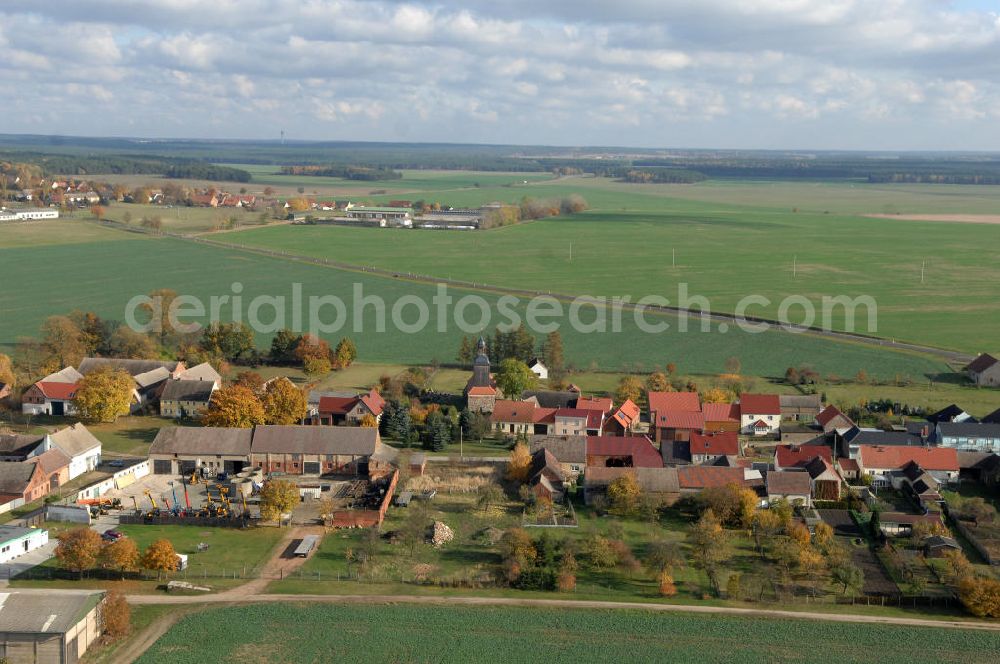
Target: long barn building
x: 292, y: 450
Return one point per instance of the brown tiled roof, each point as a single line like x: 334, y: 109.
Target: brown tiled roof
x: 981, y: 363
x: 789, y: 483
x: 760, y: 404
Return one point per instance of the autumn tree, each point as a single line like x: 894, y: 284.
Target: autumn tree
x: 629, y: 387
x: 284, y: 346
x: 103, y: 396
x: 159, y: 556
x: 980, y: 595
x: 623, y: 492
x: 98, y: 212
x: 63, y: 341
x: 848, y: 575
x: 552, y: 351
x: 658, y: 382
x: 514, y: 377
x: 733, y: 365
x: 345, y: 353
x: 732, y: 504
x: 234, y: 406
x: 466, y: 351
x: 314, y: 354
x: 251, y: 380
x: 232, y: 341
x: 666, y: 585
x: 116, y: 615
x: 121, y: 555
x: 519, y: 463
x: 284, y: 403
x: 159, y: 311
x: 715, y: 395
x: 277, y: 497
x: 129, y: 344
x: 78, y: 549
x: 663, y: 556
x: 709, y: 546
x: 766, y: 525
x: 7, y: 371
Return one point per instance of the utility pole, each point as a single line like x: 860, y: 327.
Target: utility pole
x: 795, y: 266
x: 570, y: 252
x: 923, y: 264
x: 461, y: 444
x: 673, y: 257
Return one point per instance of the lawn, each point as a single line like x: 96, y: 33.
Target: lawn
x: 638, y: 241
x: 399, y: 633
x: 230, y: 551
x: 143, y: 264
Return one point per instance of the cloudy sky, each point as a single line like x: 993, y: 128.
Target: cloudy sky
x: 834, y: 74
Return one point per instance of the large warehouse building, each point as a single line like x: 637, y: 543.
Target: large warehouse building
x: 48, y: 626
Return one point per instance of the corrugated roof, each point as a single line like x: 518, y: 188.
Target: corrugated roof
x: 789, y: 483
x: 133, y: 367
x: 568, y: 449
x: 721, y: 412
x: 293, y: 439
x: 188, y: 390
x: 75, y: 440
x: 49, y: 611
x: 192, y: 441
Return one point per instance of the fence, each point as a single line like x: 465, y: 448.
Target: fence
x: 167, y: 519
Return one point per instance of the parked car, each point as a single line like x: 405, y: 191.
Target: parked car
x: 112, y: 535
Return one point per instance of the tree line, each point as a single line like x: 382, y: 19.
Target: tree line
x: 349, y: 172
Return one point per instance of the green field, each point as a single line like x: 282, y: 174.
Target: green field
x: 104, y: 274
x: 642, y: 240
x: 412, y: 181
x: 399, y: 633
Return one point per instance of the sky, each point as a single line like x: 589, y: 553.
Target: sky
x: 772, y: 74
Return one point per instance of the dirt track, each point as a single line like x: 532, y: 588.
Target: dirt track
x: 945, y: 218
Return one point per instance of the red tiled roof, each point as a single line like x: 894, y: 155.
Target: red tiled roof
x: 893, y: 457
x: 519, y: 412
x: 848, y: 465
x: 61, y: 391
x: 704, y: 477
x: 718, y: 444
x: 374, y: 401
x: 579, y: 413
x: 761, y: 424
x: 827, y: 414
x: 603, y: 404
x: 673, y: 401
x: 643, y: 454
x: 796, y: 456
x: 336, y: 405
x: 789, y: 483
x: 760, y: 404
x: 626, y: 414
x: 482, y: 391
x: 680, y: 420
x: 546, y: 415
x: 721, y: 412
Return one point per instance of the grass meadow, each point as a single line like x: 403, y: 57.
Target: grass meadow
x: 401, y: 633
x: 104, y: 274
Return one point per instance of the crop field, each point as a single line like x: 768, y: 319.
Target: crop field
x: 394, y: 633
x: 105, y: 275
x: 932, y: 281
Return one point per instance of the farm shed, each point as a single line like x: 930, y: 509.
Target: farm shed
x: 181, y: 450
x: 48, y: 626
x: 16, y: 541
x: 418, y: 464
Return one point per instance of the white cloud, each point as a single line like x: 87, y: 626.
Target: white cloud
x: 560, y: 71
